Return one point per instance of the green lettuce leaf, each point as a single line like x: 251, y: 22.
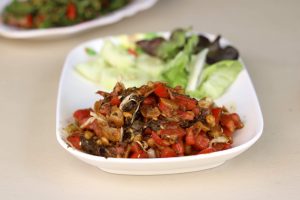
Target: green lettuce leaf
x: 176, y: 73
x: 217, y: 78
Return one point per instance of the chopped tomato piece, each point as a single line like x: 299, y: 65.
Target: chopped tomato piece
x: 161, y: 90
x: 29, y: 21
x: 135, y: 148
x: 207, y: 150
x: 139, y: 155
x: 188, y: 115
x: 216, y: 112
x: 221, y: 146
x: 231, y: 122
x: 137, y: 151
x: 227, y: 122
x: 167, y: 152
x: 148, y: 131
x: 94, y: 126
x: 185, y: 102
x: 236, y: 120
x: 167, y: 106
x: 82, y: 114
x: 178, y: 131
x: 190, y: 138
x: 158, y: 140
x: 227, y: 132
x: 115, y: 101
x: 201, y: 142
x: 75, y: 141
x: 170, y: 125
x: 178, y: 148
x: 132, y: 52
x: 71, y: 11
x: 227, y: 146
x: 25, y: 21
x: 149, y: 100
x: 196, y: 110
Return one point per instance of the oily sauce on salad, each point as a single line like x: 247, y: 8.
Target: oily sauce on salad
x: 152, y: 121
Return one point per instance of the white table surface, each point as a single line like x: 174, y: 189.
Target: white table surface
x: 34, y: 166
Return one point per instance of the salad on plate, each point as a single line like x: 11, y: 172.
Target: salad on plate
x: 152, y: 121
x: 202, y: 65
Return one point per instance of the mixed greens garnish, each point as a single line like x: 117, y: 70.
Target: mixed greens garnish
x: 204, y: 67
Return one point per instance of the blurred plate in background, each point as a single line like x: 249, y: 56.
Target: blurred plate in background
x: 133, y: 8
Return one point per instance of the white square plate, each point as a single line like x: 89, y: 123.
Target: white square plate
x: 75, y: 93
